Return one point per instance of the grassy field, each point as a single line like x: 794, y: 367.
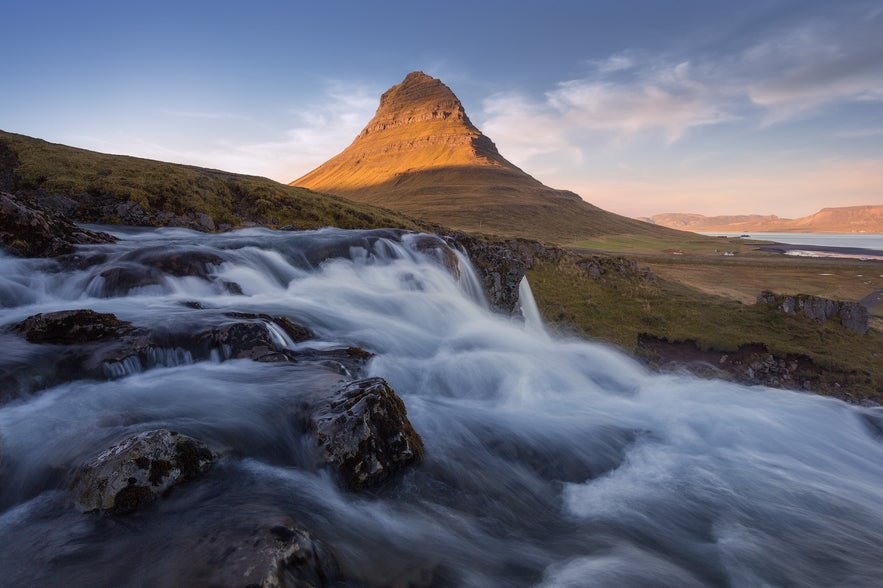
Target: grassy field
x: 617, y: 308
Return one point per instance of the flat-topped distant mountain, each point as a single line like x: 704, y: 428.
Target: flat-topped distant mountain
x: 421, y: 155
x: 845, y: 219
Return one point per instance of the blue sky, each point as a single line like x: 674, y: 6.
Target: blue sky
x: 640, y: 106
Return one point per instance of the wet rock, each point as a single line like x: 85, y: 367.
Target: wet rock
x: 101, y: 346
x: 191, y: 262
x: 138, y: 470
x: 68, y: 327
x: 28, y: 230
x: 349, y: 361
x: 436, y: 248
x: 266, y: 555
x: 297, y: 332
x: 119, y: 281
x: 363, y: 431
x: 499, y: 269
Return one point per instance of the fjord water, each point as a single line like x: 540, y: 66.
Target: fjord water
x: 548, y: 461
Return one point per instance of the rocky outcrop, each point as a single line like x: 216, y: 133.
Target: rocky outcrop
x: 26, y: 230
x: 138, y: 470
x: 499, y: 270
x: 852, y: 315
x: 596, y: 266
x: 751, y: 363
x: 363, y: 432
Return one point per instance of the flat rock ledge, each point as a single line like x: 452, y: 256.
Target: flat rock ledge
x: 363, y: 432
x: 138, y: 470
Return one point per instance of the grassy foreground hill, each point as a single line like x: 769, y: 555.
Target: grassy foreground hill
x: 100, y: 188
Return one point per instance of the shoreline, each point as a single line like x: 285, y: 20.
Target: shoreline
x: 833, y: 250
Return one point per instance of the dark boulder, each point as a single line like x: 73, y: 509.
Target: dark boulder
x: 138, y: 470
x: 69, y: 327
x: 120, y: 280
x: 363, y: 431
x: 266, y: 555
x: 26, y: 230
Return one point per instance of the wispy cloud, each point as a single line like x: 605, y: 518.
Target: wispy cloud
x: 796, y: 71
x: 315, y: 132
x: 801, y: 71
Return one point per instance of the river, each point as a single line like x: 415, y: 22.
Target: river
x: 548, y: 461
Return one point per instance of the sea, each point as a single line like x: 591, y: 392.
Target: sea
x: 865, y: 246
x: 862, y: 240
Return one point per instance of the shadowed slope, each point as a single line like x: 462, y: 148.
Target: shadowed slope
x: 421, y: 155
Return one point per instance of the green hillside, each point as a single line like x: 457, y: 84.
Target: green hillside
x: 101, y: 188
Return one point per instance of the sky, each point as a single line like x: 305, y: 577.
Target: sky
x: 640, y: 106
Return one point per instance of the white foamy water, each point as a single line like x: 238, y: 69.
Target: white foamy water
x: 549, y: 462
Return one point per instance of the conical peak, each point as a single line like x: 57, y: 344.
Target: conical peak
x: 417, y: 98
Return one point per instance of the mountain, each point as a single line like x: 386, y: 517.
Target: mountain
x: 421, y: 155
x: 846, y: 219
x: 86, y: 186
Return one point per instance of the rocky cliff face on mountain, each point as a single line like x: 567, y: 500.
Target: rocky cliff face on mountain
x: 421, y: 155
x: 845, y: 219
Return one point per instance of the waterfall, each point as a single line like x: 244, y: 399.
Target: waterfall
x: 548, y: 461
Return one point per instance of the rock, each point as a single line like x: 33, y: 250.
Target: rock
x: 262, y: 553
x: 363, y: 431
x: 119, y: 281
x: 498, y: 268
x: 349, y: 361
x: 68, y: 327
x: 297, y: 332
x: 440, y: 251
x: 138, y: 470
x: 852, y: 315
x: 101, y: 346
x: 27, y: 230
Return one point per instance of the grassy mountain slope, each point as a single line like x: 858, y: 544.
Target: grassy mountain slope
x: 96, y: 187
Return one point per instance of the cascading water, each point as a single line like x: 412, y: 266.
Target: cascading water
x: 547, y: 462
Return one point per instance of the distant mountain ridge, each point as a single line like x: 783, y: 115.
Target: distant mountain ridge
x: 421, y: 155
x: 845, y: 219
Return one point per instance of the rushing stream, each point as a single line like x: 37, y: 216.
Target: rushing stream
x: 548, y: 461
